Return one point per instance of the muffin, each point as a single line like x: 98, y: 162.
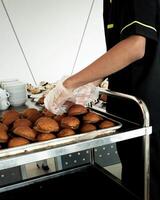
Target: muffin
x: 25, y: 132
x: 3, y: 126
x: 70, y: 122
x: 45, y: 137
x: 9, y: 117
x: 3, y: 135
x: 65, y: 132
x: 77, y: 109
x: 92, y: 118
x: 22, y: 122
x: 87, y: 128
x: 106, y: 124
x: 17, y: 141
x: 32, y: 114
x: 46, y: 124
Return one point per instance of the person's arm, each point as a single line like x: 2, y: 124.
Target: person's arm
x: 121, y: 55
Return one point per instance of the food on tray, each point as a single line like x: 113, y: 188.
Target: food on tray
x: 32, y: 114
x: 10, y: 116
x: 3, y: 126
x: 22, y: 122
x: 3, y: 135
x: 70, y: 122
x: 45, y: 136
x: 47, y: 113
x: 46, y: 124
x: 43, y: 86
x: 106, y: 124
x: 17, y: 141
x: 87, y: 128
x: 92, y: 118
x: 25, y: 132
x: 58, y: 118
x: 65, y: 132
x: 77, y: 109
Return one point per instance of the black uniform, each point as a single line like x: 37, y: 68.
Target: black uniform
x: 123, y: 18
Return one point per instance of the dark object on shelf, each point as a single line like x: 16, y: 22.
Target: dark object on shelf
x: 86, y: 181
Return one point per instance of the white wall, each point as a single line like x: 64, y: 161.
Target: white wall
x: 12, y: 63
x: 49, y: 32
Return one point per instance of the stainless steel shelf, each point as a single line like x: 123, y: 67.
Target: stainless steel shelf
x: 17, y: 160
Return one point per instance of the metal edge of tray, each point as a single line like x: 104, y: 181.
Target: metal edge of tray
x: 57, y: 142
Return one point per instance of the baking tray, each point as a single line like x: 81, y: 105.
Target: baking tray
x: 58, y: 142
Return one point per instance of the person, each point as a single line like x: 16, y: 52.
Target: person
x: 132, y: 65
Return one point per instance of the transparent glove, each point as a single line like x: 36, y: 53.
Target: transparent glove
x: 86, y: 94
x: 56, y: 98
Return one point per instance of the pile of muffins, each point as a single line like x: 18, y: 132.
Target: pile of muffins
x: 32, y: 125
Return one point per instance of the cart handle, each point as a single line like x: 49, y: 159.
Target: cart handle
x: 140, y: 102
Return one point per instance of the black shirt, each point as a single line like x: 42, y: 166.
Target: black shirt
x: 123, y: 18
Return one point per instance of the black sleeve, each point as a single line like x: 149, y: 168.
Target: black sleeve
x: 139, y: 17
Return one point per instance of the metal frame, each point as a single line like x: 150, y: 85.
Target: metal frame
x: 146, y: 137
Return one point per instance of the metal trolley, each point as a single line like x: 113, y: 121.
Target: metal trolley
x: 14, y: 157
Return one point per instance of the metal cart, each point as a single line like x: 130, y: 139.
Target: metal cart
x: 45, y: 150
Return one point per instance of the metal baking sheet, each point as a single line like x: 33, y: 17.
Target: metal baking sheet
x: 41, y: 146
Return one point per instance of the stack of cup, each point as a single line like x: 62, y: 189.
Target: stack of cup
x: 4, y: 103
x: 17, y: 91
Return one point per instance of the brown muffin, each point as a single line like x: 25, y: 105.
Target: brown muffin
x: 70, y: 122
x: 22, y: 122
x: 87, y: 128
x: 3, y: 135
x: 46, y: 124
x: 26, y: 132
x: 45, y: 136
x: 47, y: 113
x: 10, y: 116
x: 65, y: 132
x: 29, y: 112
x: 58, y: 118
x: 17, y: 141
x: 91, y: 118
x: 32, y: 114
x: 106, y: 124
x: 77, y: 109
x: 3, y: 126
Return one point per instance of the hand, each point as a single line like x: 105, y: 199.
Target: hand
x: 56, y: 98
x: 86, y: 94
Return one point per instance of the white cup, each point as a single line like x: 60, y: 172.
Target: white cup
x: 4, y: 104
x: 3, y: 94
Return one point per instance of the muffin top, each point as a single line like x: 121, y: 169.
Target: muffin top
x: 26, y: 132
x: 65, y: 132
x: 17, y: 141
x: 77, y: 109
x: 87, y: 128
x: 106, y: 124
x: 45, y: 136
x: 91, y: 118
x: 10, y: 116
x: 3, y: 135
x: 22, y: 122
x: 46, y: 124
x: 70, y: 122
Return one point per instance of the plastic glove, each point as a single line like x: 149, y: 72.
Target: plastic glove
x: 86, y: 94
x: 55, y: 99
